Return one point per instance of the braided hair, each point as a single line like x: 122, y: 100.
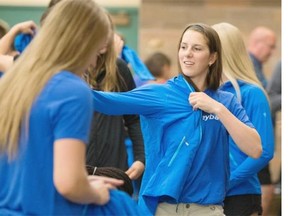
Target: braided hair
x: 113, y: 172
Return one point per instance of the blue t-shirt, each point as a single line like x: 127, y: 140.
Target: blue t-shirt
x: 62, y: 110
x: 187, y: 155
x: 244, y: 169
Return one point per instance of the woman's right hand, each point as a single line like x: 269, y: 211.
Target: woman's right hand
x: 200, y: 100
x: 27, y: 27
x: 6, y: 42
x: 102, y: 185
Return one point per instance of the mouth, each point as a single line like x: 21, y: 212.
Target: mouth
x: 188, y: 63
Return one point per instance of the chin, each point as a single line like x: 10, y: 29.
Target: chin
x: 190, y: 75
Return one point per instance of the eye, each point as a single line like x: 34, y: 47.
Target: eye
x: 183, y: 46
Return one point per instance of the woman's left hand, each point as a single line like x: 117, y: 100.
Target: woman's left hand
x: 136, y: 170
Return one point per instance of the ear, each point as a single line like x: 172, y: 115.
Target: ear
x: 213, y: 58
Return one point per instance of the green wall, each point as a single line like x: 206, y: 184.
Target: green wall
x: 16, y: 14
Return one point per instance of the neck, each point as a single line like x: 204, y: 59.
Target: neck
x: 200, y: 83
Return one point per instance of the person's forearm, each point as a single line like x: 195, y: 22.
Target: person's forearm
x: 6, y: 62
x: 78, y: 190
x: 247, y: 139
x: 7, y: 40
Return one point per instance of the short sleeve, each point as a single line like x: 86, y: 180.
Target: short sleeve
x: 71, y: 110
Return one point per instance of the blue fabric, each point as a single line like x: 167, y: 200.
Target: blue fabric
x: 139, y: 82
x: 243, y: 179
x: 139, y: 68
x: 120, y: 204
x: 62, y: 110
x: 21, y: 41
x: 181, y: 164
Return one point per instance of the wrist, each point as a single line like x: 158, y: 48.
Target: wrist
x: 15, y: 30
x: 218, y: 109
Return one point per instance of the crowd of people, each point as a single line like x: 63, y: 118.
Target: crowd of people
x: 202, y: 140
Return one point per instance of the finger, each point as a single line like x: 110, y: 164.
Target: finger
x: 192, y: 102
x: 110, y: 186
x: 129, y: 171
x: 106, y: 179
x: 30, y: 31
x: 116, y: 182
x: 133, y: 175
x: 195, y: 106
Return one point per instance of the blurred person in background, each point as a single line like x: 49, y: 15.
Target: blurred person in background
x: 274, y: 89
x: 159, y: 65
x: 108, y: 133
x: 261, y: 44
x: 4, y: 28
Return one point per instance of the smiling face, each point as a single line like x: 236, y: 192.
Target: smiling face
x: 195, y: 57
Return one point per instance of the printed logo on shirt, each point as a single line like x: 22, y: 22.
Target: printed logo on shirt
x: 208, y: 116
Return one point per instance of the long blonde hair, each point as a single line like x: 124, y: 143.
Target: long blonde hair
x: 72, y: 32
x: 236, y: 61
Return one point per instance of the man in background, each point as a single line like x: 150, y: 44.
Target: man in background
x: 261, y: 44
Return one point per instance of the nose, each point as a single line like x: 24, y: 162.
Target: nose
x: 188, y: 53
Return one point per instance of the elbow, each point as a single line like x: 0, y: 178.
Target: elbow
x: 257, y: 152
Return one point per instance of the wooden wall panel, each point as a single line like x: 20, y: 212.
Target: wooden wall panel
x: 161, y: 24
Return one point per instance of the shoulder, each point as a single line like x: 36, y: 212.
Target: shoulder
x: 68, y: 85
x: 220, y: 95
x: 122, y: 67
x: 252, y: 92
x: 126, y: 80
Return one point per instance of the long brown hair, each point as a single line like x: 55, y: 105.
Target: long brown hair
x: 58, y: 45
x: 105, y: 76
x: 213, y: 78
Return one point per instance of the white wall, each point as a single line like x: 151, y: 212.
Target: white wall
x: 106, y: 3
